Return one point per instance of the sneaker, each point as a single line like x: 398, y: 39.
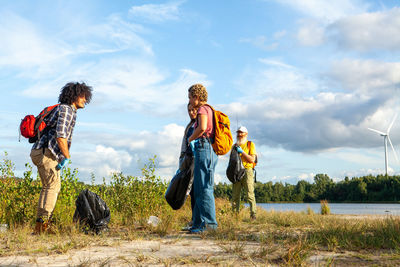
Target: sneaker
x: 188, y: 226
x: 196, y: 231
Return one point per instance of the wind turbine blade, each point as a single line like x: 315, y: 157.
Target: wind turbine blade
x: 391, y: 124
x: 394, y: 151
x: 379, y: 132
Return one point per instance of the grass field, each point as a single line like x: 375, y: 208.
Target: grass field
x: 275, y: 238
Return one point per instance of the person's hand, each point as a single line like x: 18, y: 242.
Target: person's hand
x: 62, y: 164
x: 239, y: 149
x: 191, y: 144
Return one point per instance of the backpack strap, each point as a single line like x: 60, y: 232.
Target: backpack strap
x: 213, y: 122
x: 249, y: 147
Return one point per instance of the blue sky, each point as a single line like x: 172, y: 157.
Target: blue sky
x: 307, y: 78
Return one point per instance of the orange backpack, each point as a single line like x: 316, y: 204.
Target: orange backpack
x: 223, y: 137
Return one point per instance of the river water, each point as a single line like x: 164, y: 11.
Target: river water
x: 336, y: 208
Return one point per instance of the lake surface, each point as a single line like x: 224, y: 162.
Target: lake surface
x: 336, y: 208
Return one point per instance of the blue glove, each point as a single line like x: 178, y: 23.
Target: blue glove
x: 191, y: 144
x: 239, y: 149
x: 62, y: 164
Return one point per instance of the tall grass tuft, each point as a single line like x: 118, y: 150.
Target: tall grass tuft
x: 309, y: 210
x: 325, y: 209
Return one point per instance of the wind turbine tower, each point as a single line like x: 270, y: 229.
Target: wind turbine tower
x: 386, y: 138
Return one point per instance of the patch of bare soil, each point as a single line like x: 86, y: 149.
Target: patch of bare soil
x: 195, y: 250
x: 171, y: 250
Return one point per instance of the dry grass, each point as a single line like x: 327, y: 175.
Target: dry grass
x: 277, y: 238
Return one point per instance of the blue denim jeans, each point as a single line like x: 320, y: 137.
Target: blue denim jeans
x: 205, y: 161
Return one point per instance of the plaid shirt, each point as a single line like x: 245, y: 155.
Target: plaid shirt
x: 61, y: 123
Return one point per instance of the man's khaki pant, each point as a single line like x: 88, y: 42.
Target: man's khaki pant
x: 248, y: 184
x: 51, y: 182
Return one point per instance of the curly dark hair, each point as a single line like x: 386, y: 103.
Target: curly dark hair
x: 72, y: 90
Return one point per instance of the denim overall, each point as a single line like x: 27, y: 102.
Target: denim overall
x: 205, y: 161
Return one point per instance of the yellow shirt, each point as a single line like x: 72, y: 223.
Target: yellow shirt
x: 252, y: 151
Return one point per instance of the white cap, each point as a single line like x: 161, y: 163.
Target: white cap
x: 242, y: 129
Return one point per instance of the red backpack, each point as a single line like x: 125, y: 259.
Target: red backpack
x: 32, y: 127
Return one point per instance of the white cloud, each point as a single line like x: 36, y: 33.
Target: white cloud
x: 261, y: 42
x: 366, y: 75
x: 115, y: 34
x: 284, y: 107
x: 328, y: 11
x: 359, y: 30
x: 311, y: 33
x: 101, y: 162
x: 128, y: 151
x: 128, y: 83
x: 276, y: 63
x: 157, y: 12
x: 368, y: 31
x: 277, y: 79
x: 307, y: 177
x: 22, y: 45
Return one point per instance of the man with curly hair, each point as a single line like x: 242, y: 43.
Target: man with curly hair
x: 50, y: 153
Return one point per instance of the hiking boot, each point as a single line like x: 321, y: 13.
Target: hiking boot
x: 42, y: 227
x: 39, y: 227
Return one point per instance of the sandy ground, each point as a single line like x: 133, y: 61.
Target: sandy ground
x: 167, y: 251
x: 193, y: 250
x: 189, y: 250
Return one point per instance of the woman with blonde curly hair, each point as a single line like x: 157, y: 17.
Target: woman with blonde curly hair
x: 205, y: 161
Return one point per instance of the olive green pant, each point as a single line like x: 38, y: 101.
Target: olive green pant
x: 248, y: 184
x: 51, y: 183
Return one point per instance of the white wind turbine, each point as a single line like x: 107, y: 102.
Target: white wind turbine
x: 385, y: 139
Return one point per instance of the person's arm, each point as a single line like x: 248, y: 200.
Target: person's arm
x: 63, y: 145
x: 63, y: 124
x: 249, y: 158
x: 201, y: 127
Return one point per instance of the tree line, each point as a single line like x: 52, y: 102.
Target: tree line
x: 380, y: 188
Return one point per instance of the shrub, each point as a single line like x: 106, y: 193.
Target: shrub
x: 130, y: 199
x: 325, y: 209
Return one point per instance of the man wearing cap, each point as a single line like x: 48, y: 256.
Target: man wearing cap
x: 247, y: 151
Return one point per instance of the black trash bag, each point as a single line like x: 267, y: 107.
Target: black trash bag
x: 235, y: 171
x: 181, y: 184
x: 91, y: 212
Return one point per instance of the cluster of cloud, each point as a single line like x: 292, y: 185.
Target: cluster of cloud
x: 348, y: 25
x: 157, y: 13
x: 283, y: 105
x: 287, y: 107
x: 115, y: 58
x: 300, y: 121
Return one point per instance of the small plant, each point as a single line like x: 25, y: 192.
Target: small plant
x: 310, y: 211
x: 325, y: 209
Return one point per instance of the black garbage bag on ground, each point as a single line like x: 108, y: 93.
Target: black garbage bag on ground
x: 235, y: 170
x: 92, y: 211
x: 181, y: 184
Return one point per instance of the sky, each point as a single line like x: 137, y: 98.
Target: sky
x: 307, y: 78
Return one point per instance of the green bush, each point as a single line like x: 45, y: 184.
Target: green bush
x: 131, y: 199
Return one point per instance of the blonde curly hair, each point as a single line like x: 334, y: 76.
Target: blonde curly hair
x: 200, y: 91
